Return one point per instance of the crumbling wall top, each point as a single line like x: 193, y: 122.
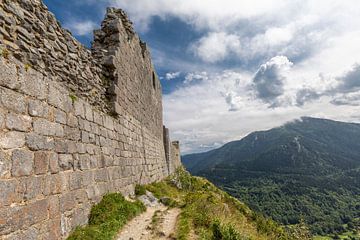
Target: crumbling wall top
x: 118, y: 59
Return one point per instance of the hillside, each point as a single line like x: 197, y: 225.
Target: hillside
x: 307, y: 169
x: 180, y: 207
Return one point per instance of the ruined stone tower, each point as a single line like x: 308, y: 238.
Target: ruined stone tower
x: 74, y: 123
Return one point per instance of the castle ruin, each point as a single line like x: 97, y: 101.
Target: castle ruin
x: 75, y: 123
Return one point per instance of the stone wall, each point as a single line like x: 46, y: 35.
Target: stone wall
x: 74, y: 123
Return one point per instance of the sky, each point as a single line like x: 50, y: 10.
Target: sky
x: 231, y: 67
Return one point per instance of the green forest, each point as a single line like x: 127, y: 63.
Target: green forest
x: 305, y: 171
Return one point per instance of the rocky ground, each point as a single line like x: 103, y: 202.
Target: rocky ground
x: 158, y: 222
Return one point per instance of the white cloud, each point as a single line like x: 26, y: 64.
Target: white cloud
x: 270, y: 78
x: 213, y: 14
x: 81, y: 28
x: 190, y: 77
x: 201, y: 116
x: 216, y: 46
x: 319, y: 38
x: 172, y: 75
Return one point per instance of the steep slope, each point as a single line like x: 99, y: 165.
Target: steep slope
x: 305, y: 169
x: 180, y: 207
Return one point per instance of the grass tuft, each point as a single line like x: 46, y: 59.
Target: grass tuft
x: 107, y: 218
x: 140, y: 190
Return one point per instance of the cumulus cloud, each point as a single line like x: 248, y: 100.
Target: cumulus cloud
x: 172, y: 75
x: 213, y: 106
x: 306, y: 95
x: 81, y: 28
x: 216, y: 46
x: 269, y: 79
x: 350, y: 81
x: 223, y: 108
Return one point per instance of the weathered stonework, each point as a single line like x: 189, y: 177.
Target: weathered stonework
x: 74, y: 123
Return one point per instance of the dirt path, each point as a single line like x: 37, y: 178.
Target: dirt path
x: 157, y: 222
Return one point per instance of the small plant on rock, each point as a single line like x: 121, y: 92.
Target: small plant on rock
x: 27, y: 66
x: 4, y: 53
x: 73, y: 97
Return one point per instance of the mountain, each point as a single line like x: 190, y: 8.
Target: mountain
x: 307, y: 169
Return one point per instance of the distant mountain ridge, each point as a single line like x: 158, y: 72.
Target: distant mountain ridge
x: 309, y: 142
x: 308, y: 168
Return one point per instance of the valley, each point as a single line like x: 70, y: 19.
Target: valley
x: 305, y: 170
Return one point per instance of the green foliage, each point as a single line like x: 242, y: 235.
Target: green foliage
x: 225, y: 232
x: 107, y: 217
x: 308, y: 169
x: 73, y: 97
x: 300, y: 232
x: 4, y: 53
x: 140, y: 190
x: 203, y: 206
x: 27, y: 66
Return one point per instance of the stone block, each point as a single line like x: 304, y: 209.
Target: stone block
x: 47, y: 128
x: 54, y: 163
x: 54, y: 207
x: 22, y: 163
x: 2, y: 119
x: 31, y: 233
x: 53, y: 231
x: 72, y: 120
x: 23, y: 216
x: 89, y: 112
x: 84, y: 162
x: 38, y: 142
x: 33, y: 84
x: 94, y: 129
x: 109, y: 122
x: 61, y: 146
x: 98, y: 118
x: 41, y: 162
x: 81, y: 196
x: 7, y: 192
x: 66, y: 162
x: 81, y: 147
x: 67, y: 202
x: 93, y: 193
x: 60, y: 116
x: 5, y: 164
x: 8, y: 75
x: 80, y: 217
x: 38, y: 109
x: 56, y: 183
x: 59, y: 98
x: 12, y: 100
x: 101, y: 175
x: 85, y: 137
x: 31, y: 187
x: 79, y: 108
x: 18, y: 122
x: 12, y: 140
x: 72, y: 133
